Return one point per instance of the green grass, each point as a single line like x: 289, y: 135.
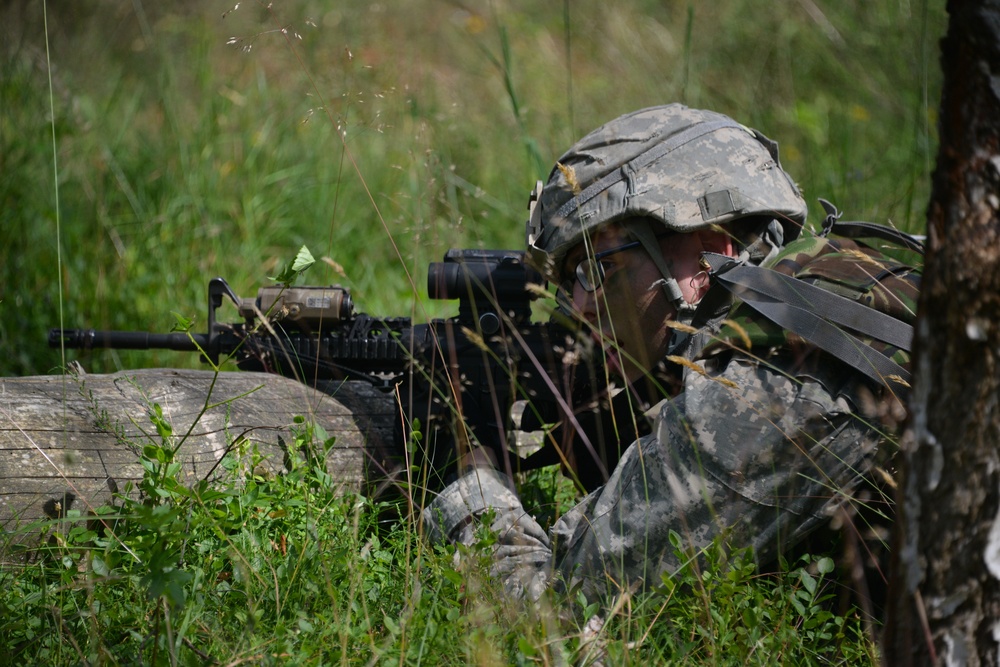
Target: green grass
x: 287, y: 569
x: 382, y: 137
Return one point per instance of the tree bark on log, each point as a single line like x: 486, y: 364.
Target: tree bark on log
x: 944, y: 599
x: 68, y: 440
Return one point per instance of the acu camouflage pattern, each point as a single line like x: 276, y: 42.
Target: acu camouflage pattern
x: 746, y: 452
x: 717, y: 172
x: 759, y: 452
x: 845, y: 267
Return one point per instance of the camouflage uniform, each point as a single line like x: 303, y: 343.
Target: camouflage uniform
x: 749, y: 450
x: 766, y: 440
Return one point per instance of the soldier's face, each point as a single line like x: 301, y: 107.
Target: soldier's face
x: 628, y: 311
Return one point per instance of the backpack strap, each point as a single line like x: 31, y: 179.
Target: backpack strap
x: 818, y: 316
x: 855, y: 229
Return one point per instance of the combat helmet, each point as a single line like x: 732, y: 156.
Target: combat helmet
x: 685, y: 168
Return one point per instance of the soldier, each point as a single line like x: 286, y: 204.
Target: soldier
x: 652, y: 225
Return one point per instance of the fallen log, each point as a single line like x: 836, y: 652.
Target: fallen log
x: 70, y: 441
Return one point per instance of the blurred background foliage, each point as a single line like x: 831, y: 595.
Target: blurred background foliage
x: 190, y: 139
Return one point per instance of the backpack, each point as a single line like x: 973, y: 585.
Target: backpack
x: 832, y: 291
x: 857, y: 302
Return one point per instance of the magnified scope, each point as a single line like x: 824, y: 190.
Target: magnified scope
x: 481, y: 279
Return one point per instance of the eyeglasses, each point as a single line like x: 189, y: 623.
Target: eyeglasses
x: 590, y: 271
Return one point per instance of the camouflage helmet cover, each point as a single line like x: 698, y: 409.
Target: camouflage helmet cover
x: 685, y: 168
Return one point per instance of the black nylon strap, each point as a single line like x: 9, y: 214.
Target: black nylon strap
x: 832, y: 339
x: 856, y: 229
x: 814, y: 313
x: 833, y: 307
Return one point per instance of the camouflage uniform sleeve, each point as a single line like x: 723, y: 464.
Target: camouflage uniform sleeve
x: 523, y: 554
x: 747, y: 453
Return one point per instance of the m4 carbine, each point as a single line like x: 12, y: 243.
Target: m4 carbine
x: 457, y: 378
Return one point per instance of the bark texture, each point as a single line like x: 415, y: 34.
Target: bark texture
x: 945, y: 585
x: 66, y: 442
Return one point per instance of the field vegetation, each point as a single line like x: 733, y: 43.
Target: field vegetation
x: 148, y: 147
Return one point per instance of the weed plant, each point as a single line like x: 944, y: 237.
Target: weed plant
x: 201, y: 139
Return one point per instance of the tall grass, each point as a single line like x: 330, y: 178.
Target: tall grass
x: 204, y: 139
x: 183, y: 156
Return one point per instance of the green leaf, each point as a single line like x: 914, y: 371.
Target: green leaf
x: 390, y: 624
x: 291, y: 271
x: 303, y: 260
x: 525, y: 647
x: 798, y: 606
x: 99, y: 567
x: 808, y: 581
x: 675, y: 539
x: 181, y: 323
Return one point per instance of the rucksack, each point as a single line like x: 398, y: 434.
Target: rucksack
x: 855, y: 300
x: 832, y: 291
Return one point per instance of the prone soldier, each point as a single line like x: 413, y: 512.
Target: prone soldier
x: 773, y: 361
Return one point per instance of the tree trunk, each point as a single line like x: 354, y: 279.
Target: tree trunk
x: 67, y: 442
x: 944, y: 599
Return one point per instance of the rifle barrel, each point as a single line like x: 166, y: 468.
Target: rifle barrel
x: 90, y: 339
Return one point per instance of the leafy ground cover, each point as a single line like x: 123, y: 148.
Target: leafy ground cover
x: 287, y: 569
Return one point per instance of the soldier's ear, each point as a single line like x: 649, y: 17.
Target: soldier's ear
x: 718, y: 242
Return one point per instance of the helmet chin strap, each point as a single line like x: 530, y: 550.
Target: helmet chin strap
x: 643, y: 233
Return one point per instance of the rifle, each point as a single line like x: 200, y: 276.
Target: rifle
x: 457, y: 378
